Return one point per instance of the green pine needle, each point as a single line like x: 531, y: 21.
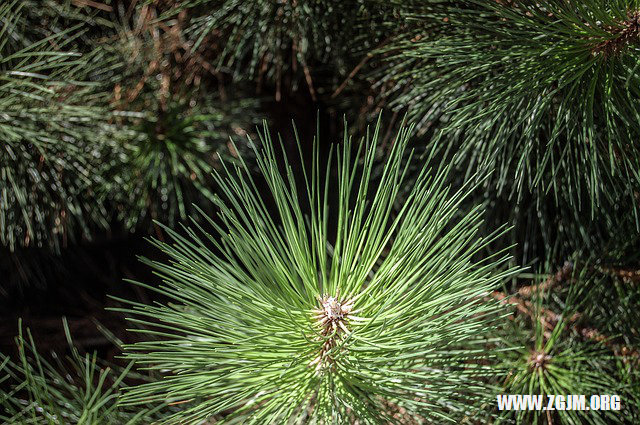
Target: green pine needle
x: 545, y: 93
x: 73, y: 390
x: 565, y: 345
x: 289, y: 43
x: 280, y: 315
x: 55, y: 134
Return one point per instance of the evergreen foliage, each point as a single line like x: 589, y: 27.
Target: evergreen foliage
x: 74, y: 149
x: 174, y: 127
x: 289, y: 324
x: 54, y: 135
x: 384, y: 280
x: 176, y: 124
x: 563, y: 344
x: 289, y: 43
x: 73, y: 390
x: 544, y: 93
x: 167, y: 161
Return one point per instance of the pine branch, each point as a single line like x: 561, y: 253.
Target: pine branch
x: 544, y: 93
x: 177, y: 123
x: 74, y: 390
x: 555, y: 335
x: 560, y: 276
x: 271, y: 321
x: 550, y: 358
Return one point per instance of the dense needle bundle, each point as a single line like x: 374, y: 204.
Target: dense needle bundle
x: 283, y: 316
x: 286, y: 43
x: 567, y: 342
x: 178, y: 122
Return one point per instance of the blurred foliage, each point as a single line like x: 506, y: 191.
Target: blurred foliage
x: 314, y: 43
x: 74, y: 149
x: 167, y: 164
x: 574, y: 332
x: 544, y: 95
x: 178, y: 121
x: 55, y: 134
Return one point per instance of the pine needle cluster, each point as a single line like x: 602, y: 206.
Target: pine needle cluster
x: 563, y: 343
x: 543, y: 93
x: 290, y: 44
x: 75, y: 153
x: 290, y: 323
x: 54, y: 134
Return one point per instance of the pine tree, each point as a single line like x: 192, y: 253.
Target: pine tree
x: 490, y: 247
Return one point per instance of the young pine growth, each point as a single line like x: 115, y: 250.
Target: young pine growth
x: 371, y: 307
